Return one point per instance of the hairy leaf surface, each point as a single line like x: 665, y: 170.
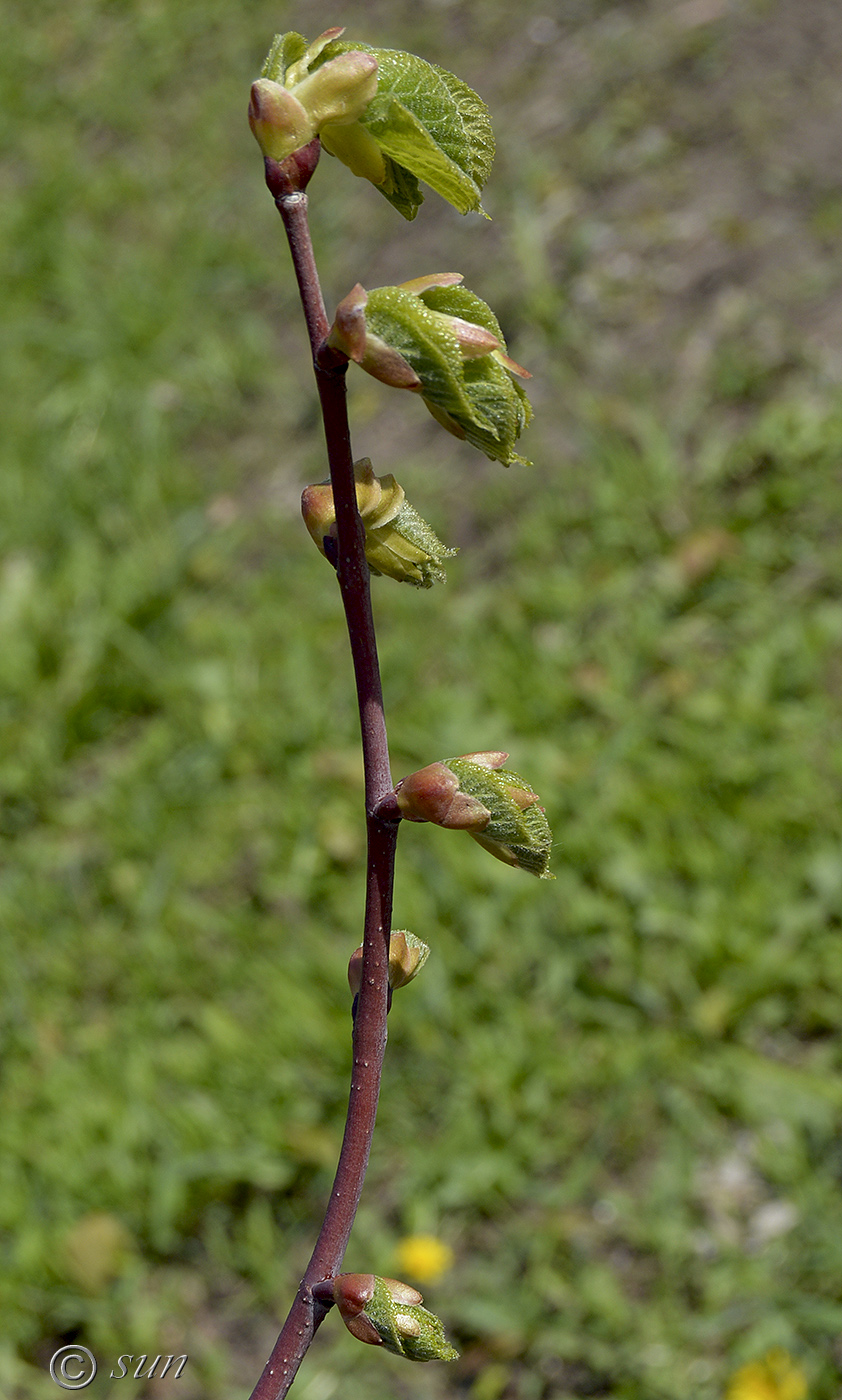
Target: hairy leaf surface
x: 430, y: 125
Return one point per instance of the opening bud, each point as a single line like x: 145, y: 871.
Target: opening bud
x: 439, y: 339
x: 434, y: 794
x: 398, y: 542
x: 340, y: 90
x: 407, y: 956
x: 351, y: 336
x: 385, y: 1312
x: 291, y: 104
x: 475, y: 793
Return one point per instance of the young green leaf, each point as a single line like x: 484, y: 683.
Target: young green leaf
x: 518, y: 832
x: 286, y: 49
x: 442, y: 341
x: 475, y: 793
x: 427, y: 124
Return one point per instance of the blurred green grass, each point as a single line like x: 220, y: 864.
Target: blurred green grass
x: 617, y: 1096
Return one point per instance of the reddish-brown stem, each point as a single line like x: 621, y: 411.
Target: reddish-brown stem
x: 369, y: 1040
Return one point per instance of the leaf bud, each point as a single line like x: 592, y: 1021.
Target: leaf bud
x: 355, y: 970
x: 340, y: 90
x: 290, y: 104
x: 385, y: 1312
x: 279, y: 123
x: 407, y: 956
x: 475, y: 793
x: 434, y: 794
x: 398, y: 542
x: 440, y: 340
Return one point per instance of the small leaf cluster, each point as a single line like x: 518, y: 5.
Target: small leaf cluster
x: 395, y: 120
x: 423, y: 124
x: 473, y: 395
x: 431, y: 336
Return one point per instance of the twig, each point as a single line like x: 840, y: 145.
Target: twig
x: 369, y: 1040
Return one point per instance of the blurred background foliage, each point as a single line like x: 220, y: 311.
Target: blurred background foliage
x: 615, y: 1098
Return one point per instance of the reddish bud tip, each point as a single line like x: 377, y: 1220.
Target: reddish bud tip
x: 351, y: 1293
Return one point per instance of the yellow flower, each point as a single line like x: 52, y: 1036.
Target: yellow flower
x: 426, y: 1258
x: 776, y: 1377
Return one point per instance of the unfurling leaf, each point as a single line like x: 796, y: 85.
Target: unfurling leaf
x: 397, y: 541
x: 475, y: 793
x: 422, y: 123
x: 387, y: 1313
x: 442, y: 341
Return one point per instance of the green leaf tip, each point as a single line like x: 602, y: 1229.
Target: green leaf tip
x: 440, y: 340
x: 421, y: 123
